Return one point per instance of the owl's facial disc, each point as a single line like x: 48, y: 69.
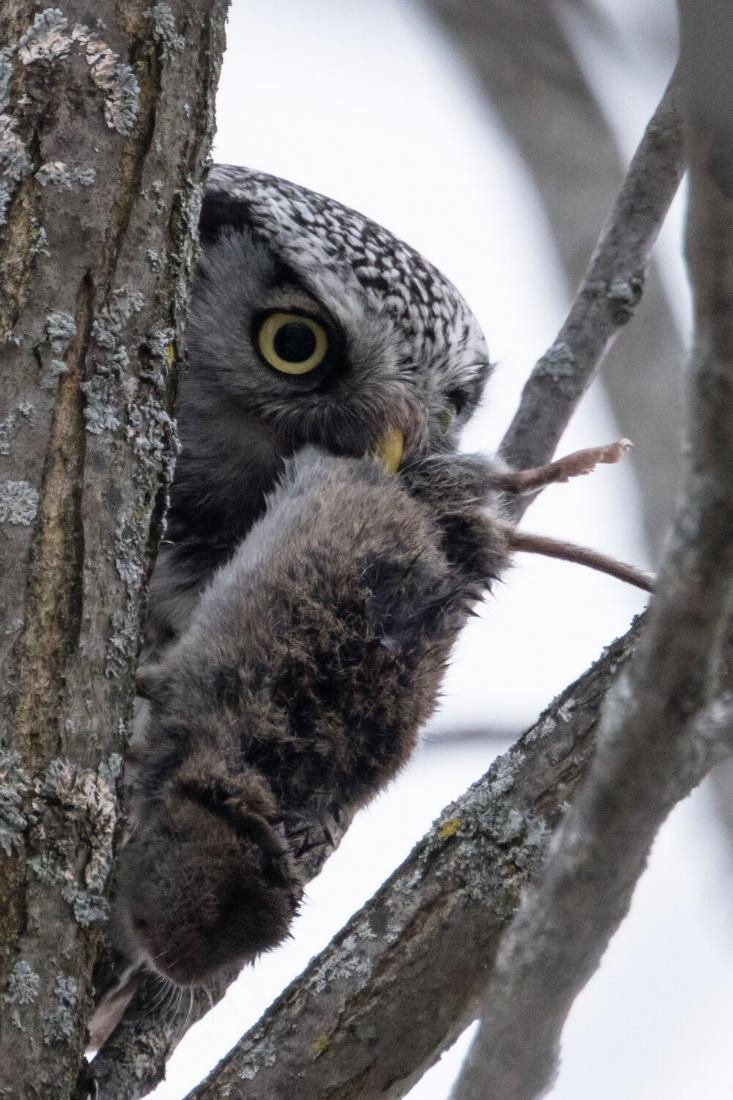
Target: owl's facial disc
x: 320, y: 382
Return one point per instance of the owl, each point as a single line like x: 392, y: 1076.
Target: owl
x: 309, y: 324
x: 324, y: 546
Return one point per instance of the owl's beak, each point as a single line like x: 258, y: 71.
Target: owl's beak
x: 390, y: 448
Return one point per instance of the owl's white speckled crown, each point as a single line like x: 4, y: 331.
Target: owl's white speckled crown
x: 319, y: 236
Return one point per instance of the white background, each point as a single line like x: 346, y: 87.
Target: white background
x: 367, y: 103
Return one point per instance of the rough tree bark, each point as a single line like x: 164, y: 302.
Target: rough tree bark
x: 105, y: 124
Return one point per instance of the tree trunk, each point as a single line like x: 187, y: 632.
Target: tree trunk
x: 104, y: 129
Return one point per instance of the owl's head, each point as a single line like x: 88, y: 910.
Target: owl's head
x: 321, y: 327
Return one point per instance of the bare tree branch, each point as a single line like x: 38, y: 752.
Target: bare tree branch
x: 398, y: 984
x: 647, y: 758
x: 527, y: 67
x: 608, y: 295
x: 104, y: 128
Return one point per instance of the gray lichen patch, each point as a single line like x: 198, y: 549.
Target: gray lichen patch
x: 159, y: 342
x: 153, y: 433
x: 18, y: 503
x: 164, y: 29
x: 506, y: 848
x: 624, y: 295
x: 130, y: 542
x: 48, y: 40
x: 14, y: 785
x: 45, y: 39
x: 7, y: 426
x: 264, y: 1056
x: 60, y: 327
x: 89, y: 800
x: 88, y: 908
x: 23, y: 985
x: 557, y: 363
x: 115, y: 79
x: 100, y: 407
x: 59, y: 1024
x: 90, y: 797
x: 122, y: 642
x: 6, y: 75
x: 109, y: 324
x: 58, y: 174
x: 38, y: 240
x: 52, y: 373
x: 341, y: 964
x: 6, y: 195
x: 15, y: 163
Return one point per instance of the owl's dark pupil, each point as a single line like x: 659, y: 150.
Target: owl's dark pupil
x: 294, y: 342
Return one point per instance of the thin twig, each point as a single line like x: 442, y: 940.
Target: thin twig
x: 648, y: 757
x: 610, y: 292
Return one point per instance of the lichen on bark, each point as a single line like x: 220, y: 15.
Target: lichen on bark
x: 99, y: 165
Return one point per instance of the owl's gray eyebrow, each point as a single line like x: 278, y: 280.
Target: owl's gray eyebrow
x: 292, y: 295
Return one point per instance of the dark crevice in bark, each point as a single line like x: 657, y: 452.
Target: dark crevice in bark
x: 88, y: 276
x: 132, y: 162
x: 16, y: 255
x: 53, y: 598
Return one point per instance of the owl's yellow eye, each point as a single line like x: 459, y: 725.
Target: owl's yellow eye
x: 292, y: 343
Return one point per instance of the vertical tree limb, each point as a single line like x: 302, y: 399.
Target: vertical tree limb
x: 647, y: 757
x: 611, y: 289
x: 104, y: 127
